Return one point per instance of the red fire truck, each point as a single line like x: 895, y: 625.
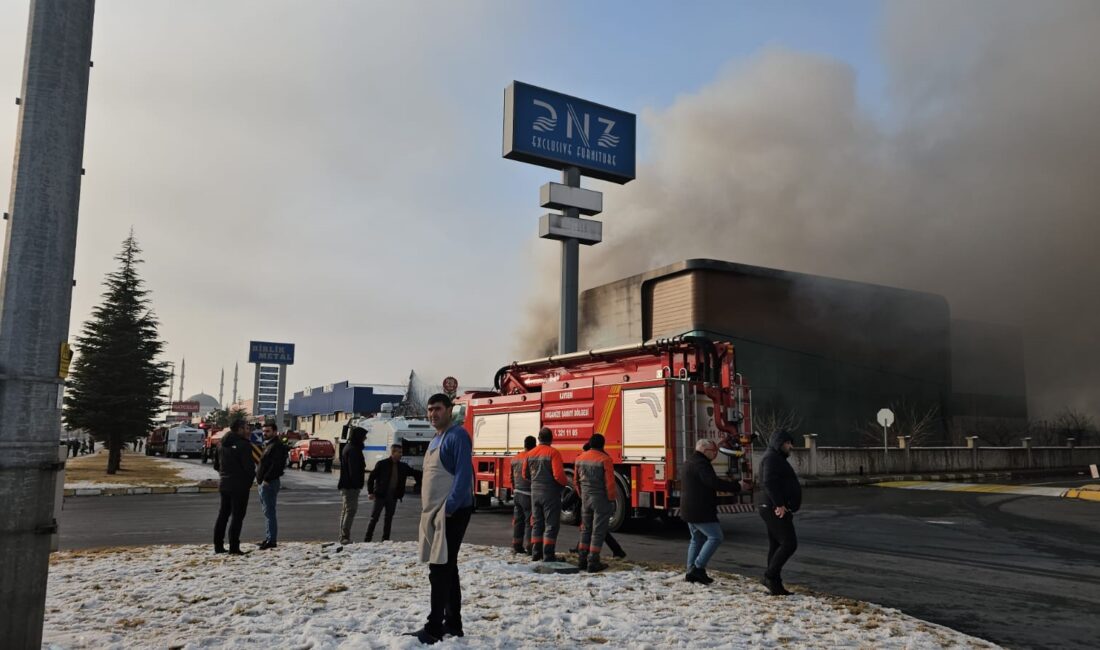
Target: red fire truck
x: 651, y: 401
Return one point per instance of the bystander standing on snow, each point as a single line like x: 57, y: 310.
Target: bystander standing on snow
x: 447, y: 502
x: 237, y: 472
x: 268, y: 474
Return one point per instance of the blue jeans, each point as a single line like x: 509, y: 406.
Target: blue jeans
x: 700, y: 551
x: 268, y: 493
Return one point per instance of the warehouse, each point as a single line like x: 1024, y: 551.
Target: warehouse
x: 822, y: 352
x: 322, y: 412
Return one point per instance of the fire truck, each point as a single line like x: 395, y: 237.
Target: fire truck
x: 651, y: 401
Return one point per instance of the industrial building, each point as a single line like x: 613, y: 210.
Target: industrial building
x: 322, y: 412
x: 830, y: 353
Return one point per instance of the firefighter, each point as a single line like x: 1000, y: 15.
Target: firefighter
x: 544, y: 468
x: 594, y: 480
x: 521, y: 509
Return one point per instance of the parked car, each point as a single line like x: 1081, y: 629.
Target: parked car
x: 312, y: 452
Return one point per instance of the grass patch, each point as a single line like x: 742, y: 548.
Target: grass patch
x: 130, y: 623
x: 137, y: 470
x: 335, y: 589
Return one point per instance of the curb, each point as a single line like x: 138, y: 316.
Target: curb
x: 850, y: 481
x: 156, y: 489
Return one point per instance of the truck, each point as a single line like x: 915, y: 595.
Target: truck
x: 157, y: 441
x: 385, y: 429
x: 652, y: 401
x: 184, y: 440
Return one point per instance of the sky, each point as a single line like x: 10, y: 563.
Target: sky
x: 329, y: 173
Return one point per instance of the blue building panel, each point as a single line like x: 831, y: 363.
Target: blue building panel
x: 345, y: 397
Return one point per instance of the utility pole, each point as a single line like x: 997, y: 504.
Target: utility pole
x: 35, y: 300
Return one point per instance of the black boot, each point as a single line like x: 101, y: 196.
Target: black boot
x: 582, y: 560
x: 518, y: 548
x: 536, y: 552
x: 594, y: 564
x: 775, y: 587
x: 698, y: 576
x: 219, y: 548
x: 548, y: 553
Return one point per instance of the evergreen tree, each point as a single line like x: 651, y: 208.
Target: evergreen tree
x: 115, y: 387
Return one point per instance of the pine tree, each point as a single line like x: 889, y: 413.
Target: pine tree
x: 115, y: 387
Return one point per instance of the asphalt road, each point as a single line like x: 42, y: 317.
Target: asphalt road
x: 1019, y: 571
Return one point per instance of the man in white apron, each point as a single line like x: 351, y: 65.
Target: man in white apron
x: 447, y: 501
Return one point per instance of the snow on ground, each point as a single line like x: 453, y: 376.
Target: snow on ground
x: 367, y: 596
x: 194, y: 473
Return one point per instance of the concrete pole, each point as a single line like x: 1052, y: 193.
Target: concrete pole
x: 35, y: 298
x: 570, y: 272
x: 280, y: 398
x: 256, y: 390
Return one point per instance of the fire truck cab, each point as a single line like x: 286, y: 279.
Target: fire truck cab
x: 651, y: 401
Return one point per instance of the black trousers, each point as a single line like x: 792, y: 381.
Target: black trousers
x: 782, y: 541
x: 446, y: 599
x: 233, y: 504
x: 389, y: 504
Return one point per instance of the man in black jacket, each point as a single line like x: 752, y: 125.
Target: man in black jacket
x: 782, y: 498
x: 268, y: 473
x: 699, y: 508
x: 386, y: 486
x: 237, y: 472
x: 353, y: 469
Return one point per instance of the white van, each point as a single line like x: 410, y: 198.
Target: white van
x: 184, y: 440
x: 384, y: 430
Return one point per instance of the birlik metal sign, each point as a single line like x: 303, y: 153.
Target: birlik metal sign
x: 274, y: 353
x: 548, y: 128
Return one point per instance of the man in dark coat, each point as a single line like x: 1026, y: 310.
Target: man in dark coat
x: 237, y: 472
x: 699, y: 508
x: 386, y: 486
x: 353, y: 469
x: 782, y: 498
x: 268, y: 475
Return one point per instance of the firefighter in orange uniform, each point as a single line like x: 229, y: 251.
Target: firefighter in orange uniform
x: 544, y: 468
x: 594, y: 480
x: 521, y: 510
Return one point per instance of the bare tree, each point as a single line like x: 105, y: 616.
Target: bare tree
x: 913, y: 420
x: 767, y: 422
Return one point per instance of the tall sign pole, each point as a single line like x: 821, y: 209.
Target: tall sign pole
x: 35, y: 298
x: 579, y: 137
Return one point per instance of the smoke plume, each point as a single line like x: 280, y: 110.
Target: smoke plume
x: 977, y: 179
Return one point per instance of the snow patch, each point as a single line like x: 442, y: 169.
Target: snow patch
x: 304, y: 595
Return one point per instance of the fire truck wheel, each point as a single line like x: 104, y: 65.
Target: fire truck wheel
x: 622, y: 489
x: 570, y: 504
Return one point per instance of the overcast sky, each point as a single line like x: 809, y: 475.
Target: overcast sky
x: 329, y: 173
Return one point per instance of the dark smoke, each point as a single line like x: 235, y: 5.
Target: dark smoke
x: 981, y: 183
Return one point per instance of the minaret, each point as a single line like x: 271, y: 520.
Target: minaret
x: 171, y: 386
x: 221, y: 390
x: 236, y: 367
x: 183, y: 369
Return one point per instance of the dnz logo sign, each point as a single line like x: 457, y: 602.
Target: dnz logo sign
x: 547, y: 128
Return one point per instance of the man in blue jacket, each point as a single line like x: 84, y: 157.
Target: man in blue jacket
x: 447, y: 502
x: 782, y: 498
